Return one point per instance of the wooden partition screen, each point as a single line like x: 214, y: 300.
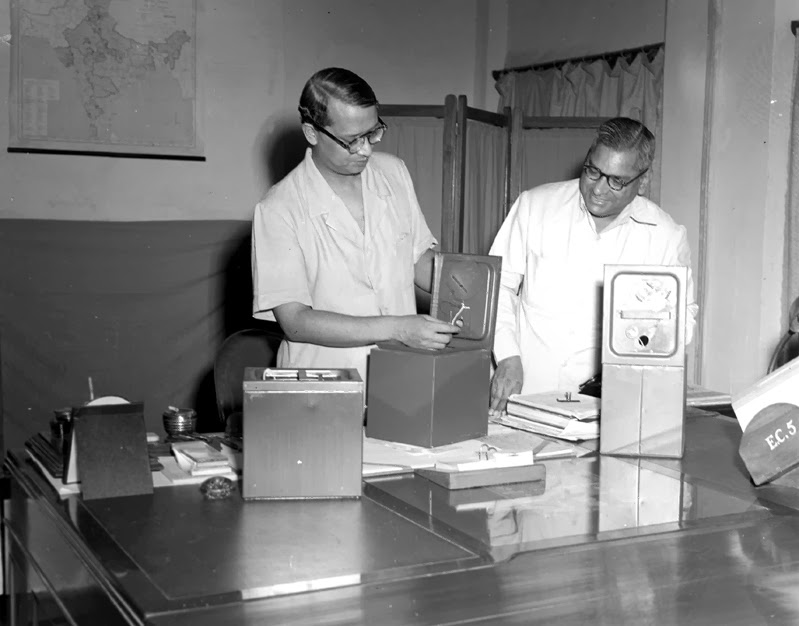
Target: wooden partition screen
x: 455, y: 116
x: 524, y: 139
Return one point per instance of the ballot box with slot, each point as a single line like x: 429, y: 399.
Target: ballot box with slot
x: 435, y: 397
x: 303, y: 433
x: 643, y: 361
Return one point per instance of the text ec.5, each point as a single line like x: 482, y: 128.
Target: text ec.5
x: 780, y: 435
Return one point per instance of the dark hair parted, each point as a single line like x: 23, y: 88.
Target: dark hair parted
x: 333, y: 82
x: 624, y: 133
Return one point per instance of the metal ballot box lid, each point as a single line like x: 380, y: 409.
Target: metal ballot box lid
x: 645, y: 308
x: 300, y: 379
x: 465, y: 289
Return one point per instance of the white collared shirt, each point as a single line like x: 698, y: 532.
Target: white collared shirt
x: 307, y: 248
x: 551, y: 249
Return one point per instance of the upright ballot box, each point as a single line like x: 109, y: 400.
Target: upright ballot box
x: 432, y: 398
x: 643, y: 361
x: 303, y: 433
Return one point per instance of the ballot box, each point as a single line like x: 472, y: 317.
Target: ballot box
x: 432, y: 398
x: 303, y: 433
x: 643, y: 361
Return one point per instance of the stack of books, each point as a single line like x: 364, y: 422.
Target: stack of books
x: 46, y: 454
x: 197, y: 458
x: 49, y: 456
x: 574, y: 417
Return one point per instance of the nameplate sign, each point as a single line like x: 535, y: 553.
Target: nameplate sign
x: 111, y: 445
x: 770, y: 444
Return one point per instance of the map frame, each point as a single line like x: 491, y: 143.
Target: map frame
x: 19, y: 141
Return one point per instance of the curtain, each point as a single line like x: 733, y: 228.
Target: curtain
x: 419, y: 142
x: 791, y: 270
x: 631, y: 88
x: 484, y: 206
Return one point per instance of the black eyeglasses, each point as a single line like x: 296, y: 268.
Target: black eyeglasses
x: 373, y: 136
x: 614, y: 182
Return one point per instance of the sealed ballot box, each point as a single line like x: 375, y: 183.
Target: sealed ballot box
x: 643, y: 361
x: 303, y: 433
x: 435, y: 397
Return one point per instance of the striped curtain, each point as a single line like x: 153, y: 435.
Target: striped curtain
x: 483, y: 194
x: 627, y: 87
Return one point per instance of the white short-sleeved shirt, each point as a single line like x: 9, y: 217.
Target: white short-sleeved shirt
x: 549, y: 245
x: 307, y: 248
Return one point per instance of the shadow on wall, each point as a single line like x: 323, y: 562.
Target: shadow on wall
x: 280, y: 147
x: 235, y: 302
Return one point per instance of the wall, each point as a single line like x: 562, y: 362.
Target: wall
x: 727, y: 109
x: 683, y: 155
x: 492, y: 37
x: 747, y: 183
x: 546, y: 30
x: 253, y: 58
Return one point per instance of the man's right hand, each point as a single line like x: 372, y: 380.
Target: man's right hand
x: 424, y: 331
x: 507, y: 379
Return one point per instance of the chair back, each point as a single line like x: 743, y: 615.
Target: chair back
x: 788, y: 347
x: 252, y: 347
x: 786, y: 350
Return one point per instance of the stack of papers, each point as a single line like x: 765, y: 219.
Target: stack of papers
x: 698, y: 396
x: 386, y: 458
x: 574, y: 417
x: 493, y: 460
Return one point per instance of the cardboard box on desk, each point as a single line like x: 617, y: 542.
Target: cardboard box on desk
x: 432, y: 398
x: 643, y: 361
x: 303, y: 433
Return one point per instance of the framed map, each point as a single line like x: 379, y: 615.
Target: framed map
x: 104, y: 76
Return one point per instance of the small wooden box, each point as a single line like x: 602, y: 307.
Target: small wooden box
x: 303, y: 433
x: 435, y: 397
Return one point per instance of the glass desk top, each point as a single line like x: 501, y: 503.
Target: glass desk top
x: 580, y: 501
x: 160, y: 548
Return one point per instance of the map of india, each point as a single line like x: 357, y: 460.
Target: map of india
x: 104, y: 75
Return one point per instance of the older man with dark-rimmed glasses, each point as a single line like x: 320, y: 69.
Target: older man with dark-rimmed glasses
x: 554, y: 245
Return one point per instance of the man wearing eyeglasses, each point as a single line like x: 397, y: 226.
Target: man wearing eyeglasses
x: 554, y: 245
x: 338, y: 245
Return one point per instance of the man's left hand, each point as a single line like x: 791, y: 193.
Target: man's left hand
x: 507, y: 380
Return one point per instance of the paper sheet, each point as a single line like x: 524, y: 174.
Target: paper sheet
x: 385, y: 457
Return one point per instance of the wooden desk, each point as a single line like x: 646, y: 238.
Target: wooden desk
x: 607, y: 541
